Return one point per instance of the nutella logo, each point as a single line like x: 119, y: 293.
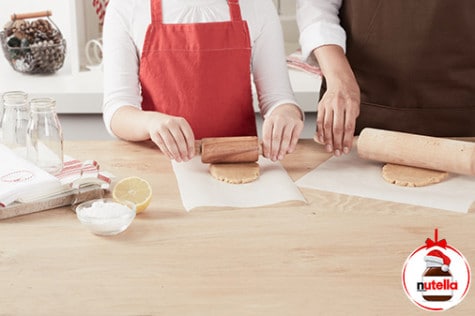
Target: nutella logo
x: 436, y: 276
x: 444, y: 284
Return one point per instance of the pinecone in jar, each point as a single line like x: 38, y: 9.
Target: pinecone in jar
x: 15, y: 28
x: 27, y: 31
x: 8, y: 28
x: 47, y: 56
x: 42, y: 45
x: 42, y: 30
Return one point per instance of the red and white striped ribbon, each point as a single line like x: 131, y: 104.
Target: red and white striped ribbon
x: 100, y: 6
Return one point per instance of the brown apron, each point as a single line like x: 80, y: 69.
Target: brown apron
x: 415, y: 63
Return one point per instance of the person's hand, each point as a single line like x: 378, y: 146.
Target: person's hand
x: 281, y: 131
x: 340, y: 104
x: 336, y: 117
x: 173, y: 135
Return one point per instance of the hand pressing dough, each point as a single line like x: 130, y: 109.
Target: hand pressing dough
x: 235, y: 173
x: 411, y: 176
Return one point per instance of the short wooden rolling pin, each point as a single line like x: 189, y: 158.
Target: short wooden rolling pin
x: 228, y: 149
x: 417, y: 151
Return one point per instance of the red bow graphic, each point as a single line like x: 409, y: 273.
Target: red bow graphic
x: 432, y: 243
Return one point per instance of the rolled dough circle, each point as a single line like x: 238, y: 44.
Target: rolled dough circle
x: 411, y: 176
x: 236, y: 173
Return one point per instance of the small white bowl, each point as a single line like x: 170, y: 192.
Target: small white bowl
x: 106, y: 217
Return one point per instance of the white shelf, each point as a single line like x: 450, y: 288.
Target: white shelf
x: 82, y: 92
x: 306, y: 89
x: 78, y: 93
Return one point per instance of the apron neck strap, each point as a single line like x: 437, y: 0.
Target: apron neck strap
x: 234, y: 10
x: 157, y: 14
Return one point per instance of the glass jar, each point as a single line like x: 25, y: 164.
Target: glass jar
x: 44, y: 136
x: 14, y: 120
x: 437, y: 284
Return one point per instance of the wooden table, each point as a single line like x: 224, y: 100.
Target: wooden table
x: 338, y: 255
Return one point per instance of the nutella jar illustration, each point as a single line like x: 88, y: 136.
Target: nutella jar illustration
x: 426, y: 277
x: 437, y: 282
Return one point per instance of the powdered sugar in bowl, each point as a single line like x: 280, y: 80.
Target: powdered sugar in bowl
x: 106, y: 217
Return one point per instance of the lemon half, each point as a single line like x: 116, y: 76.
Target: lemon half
x: 134, y: 189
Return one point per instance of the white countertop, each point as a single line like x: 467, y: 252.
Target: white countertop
x: 82, y: 92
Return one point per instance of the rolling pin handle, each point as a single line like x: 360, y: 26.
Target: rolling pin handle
x: 197, y: 147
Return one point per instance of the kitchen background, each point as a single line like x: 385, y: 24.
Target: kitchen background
x: 78, y: 88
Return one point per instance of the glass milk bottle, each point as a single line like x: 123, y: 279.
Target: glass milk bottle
x: 15, y: 121
x: 45, y: 136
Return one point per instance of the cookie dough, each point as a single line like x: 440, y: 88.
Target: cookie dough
x: 235, y: 173
x: 410, y: 176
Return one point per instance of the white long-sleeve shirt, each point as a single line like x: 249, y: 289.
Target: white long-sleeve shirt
x: 124, y: 31
x: 319, y: 25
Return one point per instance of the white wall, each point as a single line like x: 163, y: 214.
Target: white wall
x: 286, y: 10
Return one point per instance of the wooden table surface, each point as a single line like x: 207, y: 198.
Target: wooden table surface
x: 338, y: 255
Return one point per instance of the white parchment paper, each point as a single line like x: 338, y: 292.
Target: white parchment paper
x: 198, y: 188
x: 352, y: 175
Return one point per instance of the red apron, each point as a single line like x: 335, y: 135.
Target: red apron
x: 201, y: 72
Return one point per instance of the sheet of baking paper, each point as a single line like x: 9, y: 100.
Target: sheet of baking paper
x: 198, y: 188
x: 354, y: 176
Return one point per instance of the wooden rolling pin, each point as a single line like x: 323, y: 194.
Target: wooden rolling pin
x: 417, y: 151
x: 228, y: 149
